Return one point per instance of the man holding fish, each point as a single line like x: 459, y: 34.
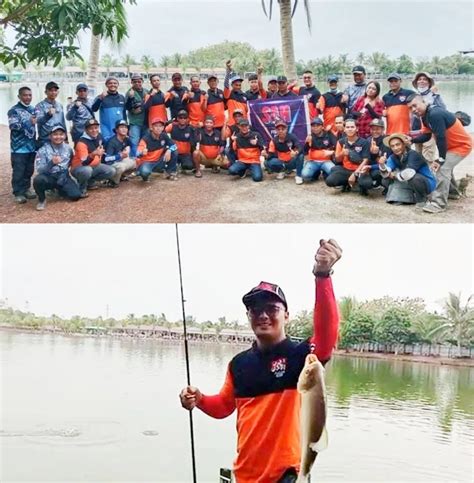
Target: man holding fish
x: 278, y: 384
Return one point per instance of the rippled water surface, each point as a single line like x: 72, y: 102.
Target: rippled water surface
x: 82, y: 409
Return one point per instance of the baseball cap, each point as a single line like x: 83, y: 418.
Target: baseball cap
x: 317, y: 120
x: 244, y: 122
x: 120, y: 122
x: 91, y: 122
x: 280, y: 122
x: 358, y: 69
x: 176, y: 76
x: 377, y: 123
x: 282, y: 78
x: 211, y: 76
x: 209, y: 117
x: 157, y: 120
x: 395, y: 76
x: 333, y: 78
x: 58, y: 127
x: 252, y: 76
x: 235, y: 78
x: 261, y: 289
x: 272, y: 78
x: 52, y: 85
x: 238, y: 111
x: 81, y: 86
x: 182, y: 113
x: 137, y: 77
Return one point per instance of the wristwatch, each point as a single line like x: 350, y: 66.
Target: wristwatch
x: 326, y: 274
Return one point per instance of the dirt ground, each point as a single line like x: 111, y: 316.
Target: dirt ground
x: 218, y: 198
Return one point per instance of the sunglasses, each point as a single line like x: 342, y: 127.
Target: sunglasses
x: 270, y: 309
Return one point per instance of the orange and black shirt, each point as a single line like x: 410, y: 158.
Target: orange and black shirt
x: 156, y: 147
x: 282, y: 149
x: 216, y: 107
x: 155, y: 107
x: 261, y: 385
x: 195, y: 103
x: 175, y: 103
x: 314, y: 95
x: 235, y: 100
x: 330, y: 105
x: 184, y: 138
x: 83, y: 148
x: 210, y: 142
x: 325, y: 142
x: 245, y: 151
x: 398, y: 112
x: 358, y: 151
x: 258, y: 94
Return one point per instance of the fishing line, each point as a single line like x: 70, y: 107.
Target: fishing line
x: 186, y: 352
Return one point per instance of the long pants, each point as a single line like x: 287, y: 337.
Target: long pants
x: 87, y: 175
x: 276, y: 165
x: 185, y: 161
x: 312, y: 169
x: 121, y: 167
x: 428, y: 150
x: 239, y: 169
x: 444, y: 177
x: 135, y: 133
x: 145, y: 169
x: 65, y: 185
x: 339, y: 176
x: 419, y: 184
x: 23, y: 166
x: 370, y: 180
x: 230, y: 153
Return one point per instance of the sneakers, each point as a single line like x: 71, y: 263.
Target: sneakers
x: 298, y: 180
x: 454, y: 196
x: 41, y: 205
x: 84, y: 195
x: 281, y: 175
x: 93, y: 186
x: 216, y: 169
x: 30, y: 195
x: 172, y: 176
x: 243, y: 175
x: 433, y: 208
x: 20, y: 199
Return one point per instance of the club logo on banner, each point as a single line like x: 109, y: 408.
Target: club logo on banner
x: 294, y: 111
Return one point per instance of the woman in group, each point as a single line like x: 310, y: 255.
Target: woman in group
x: 367, y: 108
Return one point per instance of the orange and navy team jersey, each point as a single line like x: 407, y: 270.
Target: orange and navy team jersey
x: 245, y: 151
x: 282, y: 149
x: 174, y: 100
x: 184, y: 138
x: 155, y: 107
x: 195, y: 108
x: 261, y: 385
x: 258, y: 94
x: 156, y: 147
x: 210, y: 142
x: 216, y: 107
x: 330, y: 105
x: 313, y: 98
x: 235, y: 100
x: 83, y: 148
x: 398, y: 112
x: 231, y: 131
x: 358, y: 151
x: 319, y: 144
x: 448, y: 131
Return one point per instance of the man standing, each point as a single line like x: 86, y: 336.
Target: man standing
x: 155, y: 101
x: 49, y: 113
x: 452, y: 141
x: 52, y: 165
x: 22, y: 121
x: 397, y: 111
x: 234, y: 97
x: 310, y: 90
x: 79, y: 112
x: 356, y: 90
x: 135, y: 105
x: 111, y: 107
x: 177, y: 95
x: 197, y: 103
x: 330, y: 104
x: 215, y: 105
x: 261, y: 381
x: 256, y: 90
x: 283, y: 88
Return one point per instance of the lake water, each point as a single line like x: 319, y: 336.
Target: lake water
x: 458, y: 95
x: 76, y: 409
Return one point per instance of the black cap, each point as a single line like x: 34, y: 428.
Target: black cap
x: 264, y: 288
x: 52, y: 85
x: 182, y: 113
x: 333, y: 78
x: 282, y: 78
x: 395, y: 76
x: 244, y: 122
x: 377, y: 123
x: 120, y: 122
x: 81, y: 86
x: 317, y: 120
x: 253, y: 77
x: 358, y: 69
x: 91, y: 122
x: 176, y: 76
x: 58, y: 127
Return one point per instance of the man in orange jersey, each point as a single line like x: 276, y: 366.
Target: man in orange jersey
x: 155, y: 101
x: 261, y: 381
x: 184, y: 137
x: 338, y: 128
x: 86, y: 165
x: 177, y: 95
x: 248, y: 147
x: 156, y: 152
x: 330, y: 104
x: 256, y: 90
x: 309, y: 90
x: 235, y: 98
x: 215, y: 105
x: 210, y: 143
x: 197, y: 103
x: 396, y: 110
x: 230, y: 133
x: 453, y: 143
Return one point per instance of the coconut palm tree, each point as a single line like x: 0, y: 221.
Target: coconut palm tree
x: 165, y: 62
x: 127, y: 61
x: 286, y: 31
x: 147, y: 63
x: 107, y: 61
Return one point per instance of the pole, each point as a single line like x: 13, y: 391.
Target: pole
x: 186, y: 353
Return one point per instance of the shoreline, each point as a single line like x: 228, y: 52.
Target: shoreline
x: 339, y: 352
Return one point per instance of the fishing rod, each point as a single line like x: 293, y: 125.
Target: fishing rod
x: 186, y: 352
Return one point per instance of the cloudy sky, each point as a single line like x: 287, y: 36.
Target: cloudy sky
x: 418, y: 28
x: 79, y: 269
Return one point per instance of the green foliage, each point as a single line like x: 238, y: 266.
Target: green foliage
x: 301, y: 325
x: 46, y: 30
x: 394, y: 327
x: 357, y: 329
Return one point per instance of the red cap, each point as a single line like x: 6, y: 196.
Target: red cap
x: 261, y: 289
x: 157, y: 120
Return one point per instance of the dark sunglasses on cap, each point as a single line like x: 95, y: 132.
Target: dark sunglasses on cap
x: 270, y: 309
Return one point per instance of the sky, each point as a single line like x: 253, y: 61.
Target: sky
x: 79, y: 269
x: 418, y: 28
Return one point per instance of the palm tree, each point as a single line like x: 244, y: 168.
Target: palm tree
x: 176, y: 59
x: 147, y: 63
x: 361, y: 58
x: 107, y: 61
x: 343, y: 63
x: 165, y: 62
x: 286, y: 31
x: 127, y: 61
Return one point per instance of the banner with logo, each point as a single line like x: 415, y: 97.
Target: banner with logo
x: 293, y: 110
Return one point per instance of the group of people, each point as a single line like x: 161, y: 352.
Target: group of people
x: 358, y: 140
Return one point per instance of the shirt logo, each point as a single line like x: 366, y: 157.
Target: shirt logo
x: 358, y: 148
x: 402, y: 98
x: 216, y: 139
x: 279, y: 367
x: 186, y: 135
x: 325, y: 142
x: 162, y: 142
